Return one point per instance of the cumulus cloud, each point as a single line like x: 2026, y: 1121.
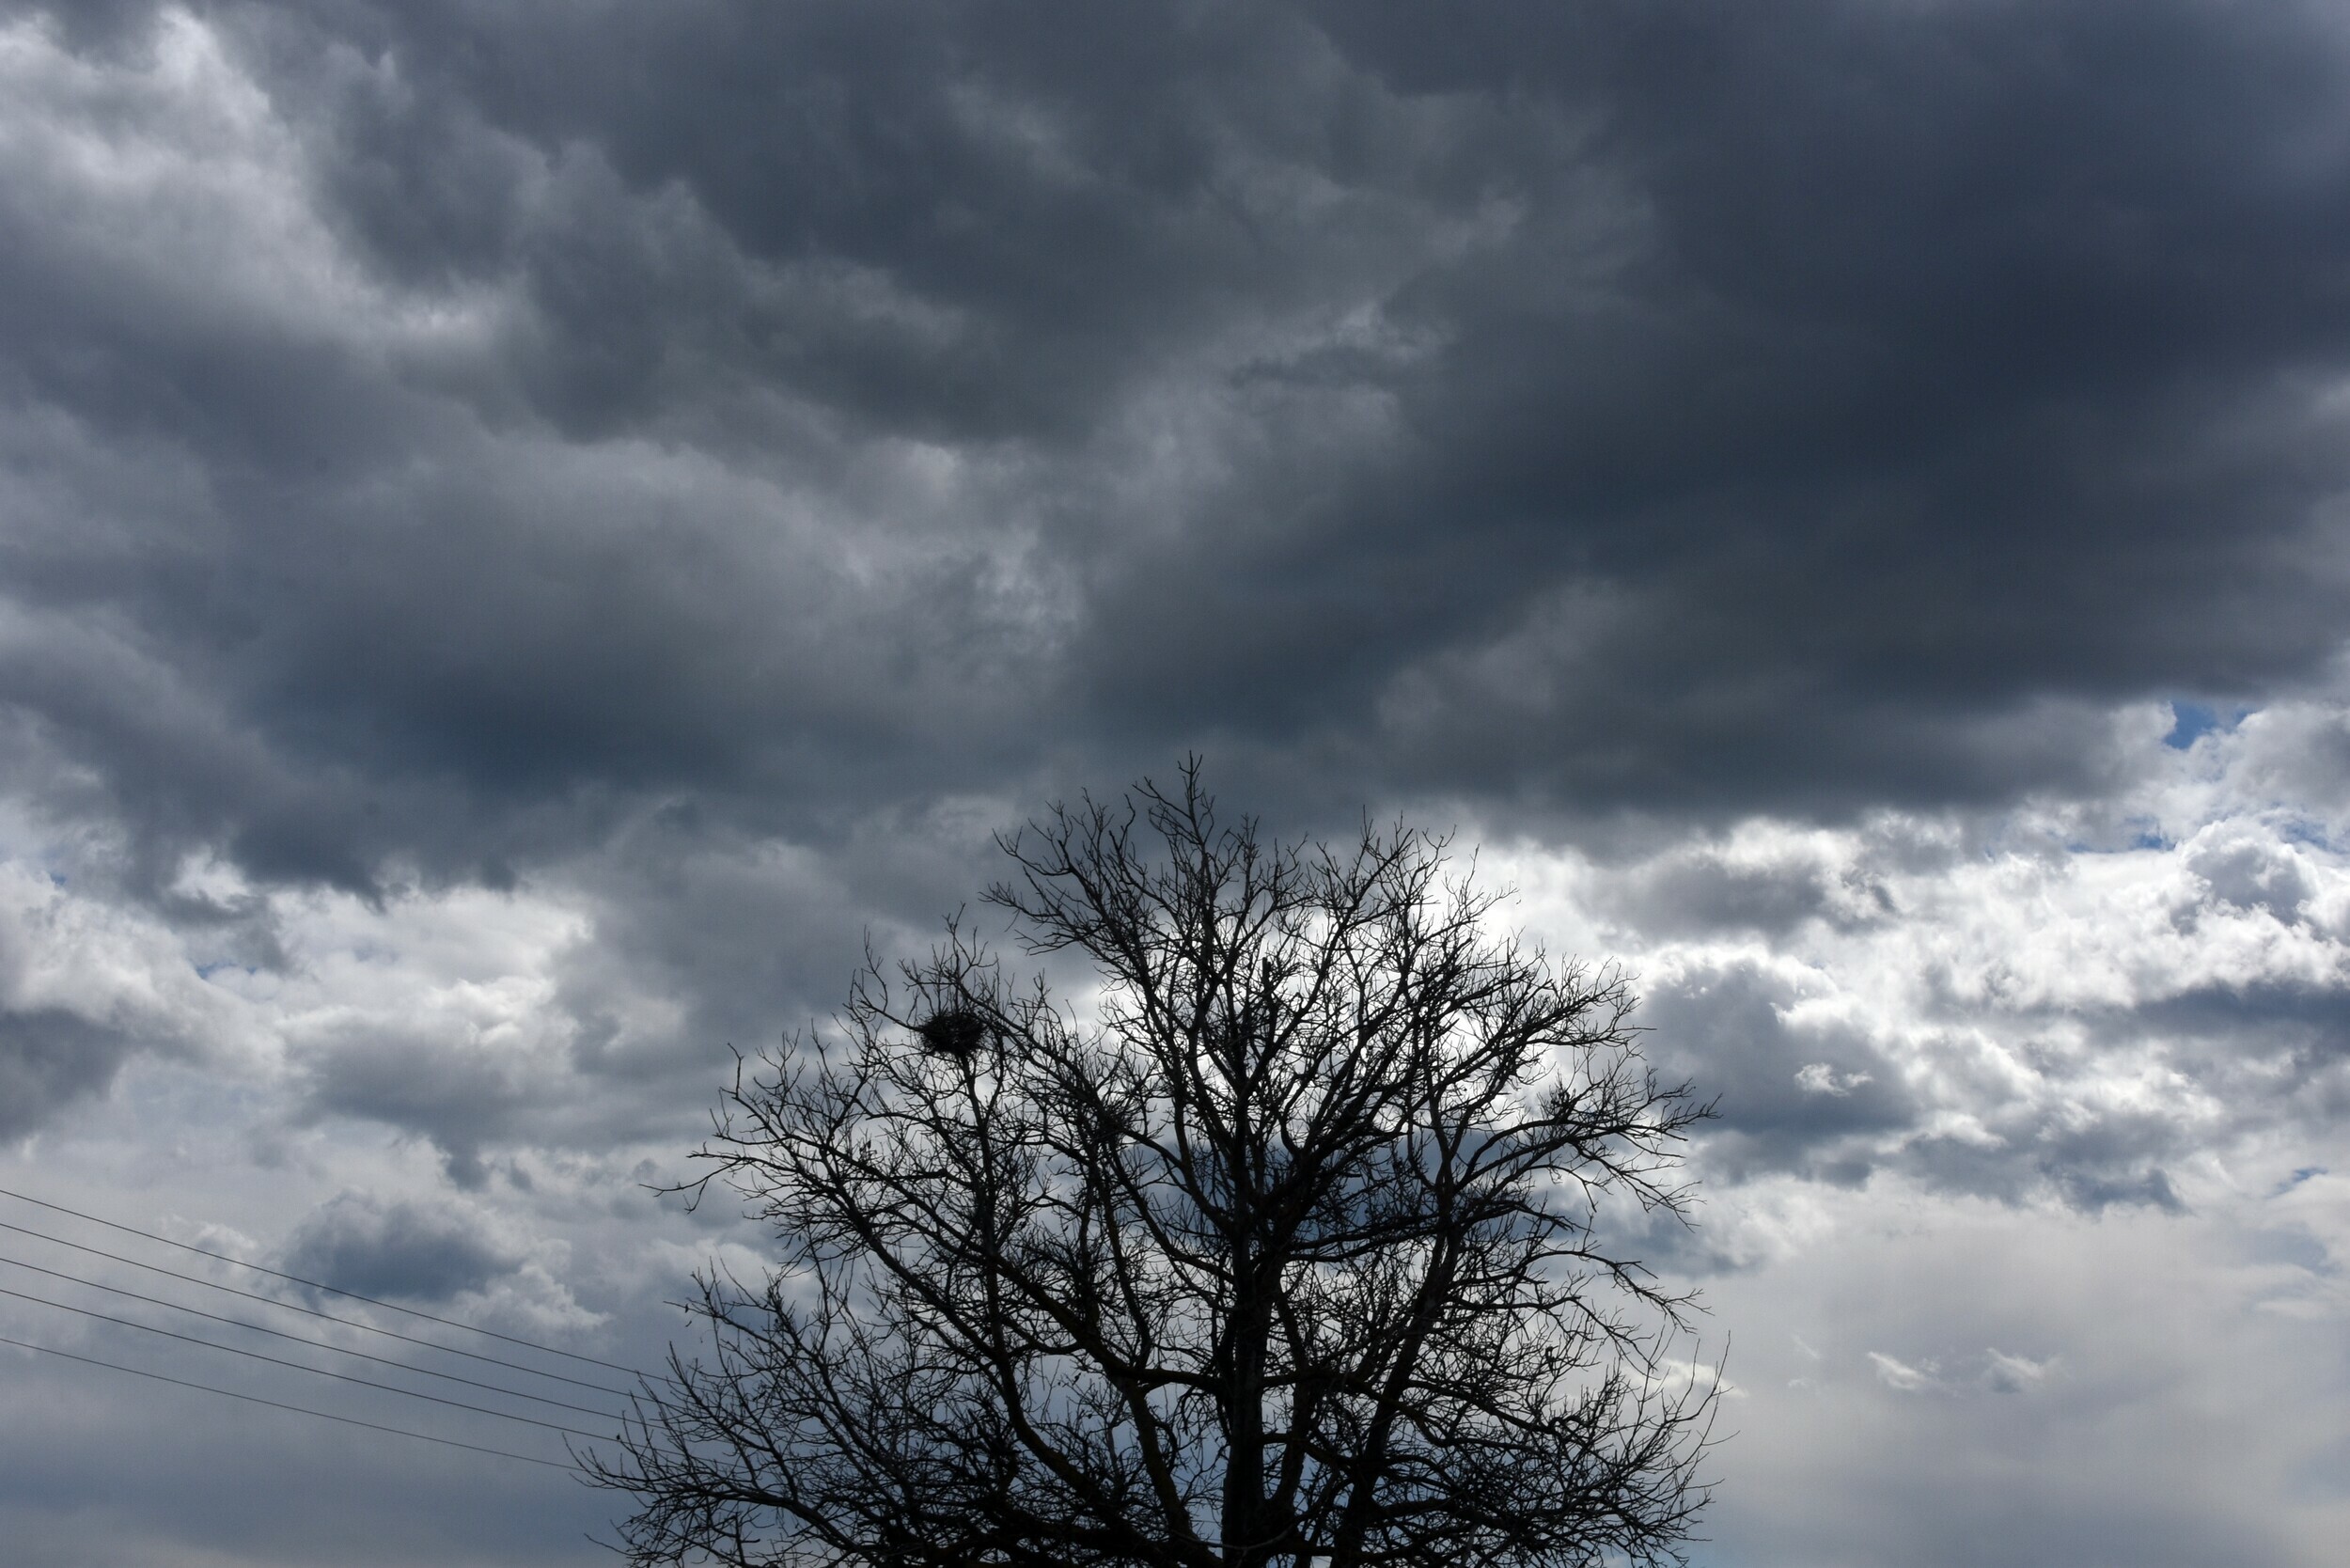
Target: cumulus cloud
x: 2070, y: 998
x: 83, y: 986
x: 708, y: 477
x: 401, y: 1250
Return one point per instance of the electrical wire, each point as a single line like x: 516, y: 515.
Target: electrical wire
x: 301, y: 1340
x: 297, y: 1366
x: 316, y: 1285
x: 314, y: 1313
x: 274, y: 1405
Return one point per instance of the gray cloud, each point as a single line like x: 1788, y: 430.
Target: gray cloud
x: 456, y: 1096
x: 530, y: 534
x: 1547, y: 436
x: 1788, y: 1097
x: 401, y: 1250
x: 49, y: 1058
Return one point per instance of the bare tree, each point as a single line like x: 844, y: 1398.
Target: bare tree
x: 1287, y: 1246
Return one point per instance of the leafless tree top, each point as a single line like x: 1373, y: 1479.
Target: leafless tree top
x: 1286, y: 1248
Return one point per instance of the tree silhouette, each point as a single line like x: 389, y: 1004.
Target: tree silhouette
x: 1288, y: 1244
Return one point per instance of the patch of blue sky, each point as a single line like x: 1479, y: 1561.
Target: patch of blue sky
x: 2136, y: 833
x: 2191, y: 721
x: 2315, y: 832
x: 2305, y: 1173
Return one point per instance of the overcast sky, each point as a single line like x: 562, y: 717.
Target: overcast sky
x: 532, y: 531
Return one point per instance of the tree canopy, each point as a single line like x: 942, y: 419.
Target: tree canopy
x: 1297, y: 1237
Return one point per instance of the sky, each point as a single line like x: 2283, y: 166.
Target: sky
x: 534, y: 534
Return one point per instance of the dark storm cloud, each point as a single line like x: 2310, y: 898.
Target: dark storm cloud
x: 400, y: 1250
x: 1033, y: 205
x: 1699, y: 890
x: 1796, y: 406
x: 50, y: 1057
x: 455, y: 1094
x: 1947, y: 368
x: 1788, y: 1098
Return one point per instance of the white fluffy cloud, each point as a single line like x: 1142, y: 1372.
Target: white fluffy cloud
x: 2022, y: 1224
x: 2101, y: 996
x: 1993, y: 1184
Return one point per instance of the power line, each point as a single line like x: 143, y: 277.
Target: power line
x: 334, y: 1290
x: 301, y: 1340
x: 297, y: 1409
x: 297, y: 1366
x: 314, y: 1313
